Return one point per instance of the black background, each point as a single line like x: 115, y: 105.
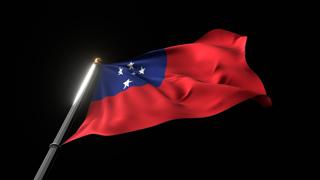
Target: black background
x: 58, y: 44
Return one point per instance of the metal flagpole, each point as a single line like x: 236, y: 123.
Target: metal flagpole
x: 57, y: 141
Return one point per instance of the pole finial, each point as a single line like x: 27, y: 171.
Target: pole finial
x: 97, y: 60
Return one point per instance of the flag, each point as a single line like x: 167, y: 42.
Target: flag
x: 193, y: 80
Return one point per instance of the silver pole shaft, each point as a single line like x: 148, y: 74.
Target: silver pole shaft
x: 64, y: 127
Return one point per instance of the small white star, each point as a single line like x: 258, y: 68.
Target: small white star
x: 134, y: 73
x: 141, y: 71
x: 120, y: 71
x: 127, y: 83
x: 130, y: 65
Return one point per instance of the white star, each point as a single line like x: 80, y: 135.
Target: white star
x: 120, y: 71
x: 130, y: 65
x: 141, y: 71
x: 127, y: 83
x: 134, y: 73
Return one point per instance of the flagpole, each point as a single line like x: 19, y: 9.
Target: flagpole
x: 53, y: 147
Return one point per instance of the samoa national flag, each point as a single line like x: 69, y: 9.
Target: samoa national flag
x: 193, y: 80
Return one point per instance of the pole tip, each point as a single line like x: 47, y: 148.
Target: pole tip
x: 97, y: 60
